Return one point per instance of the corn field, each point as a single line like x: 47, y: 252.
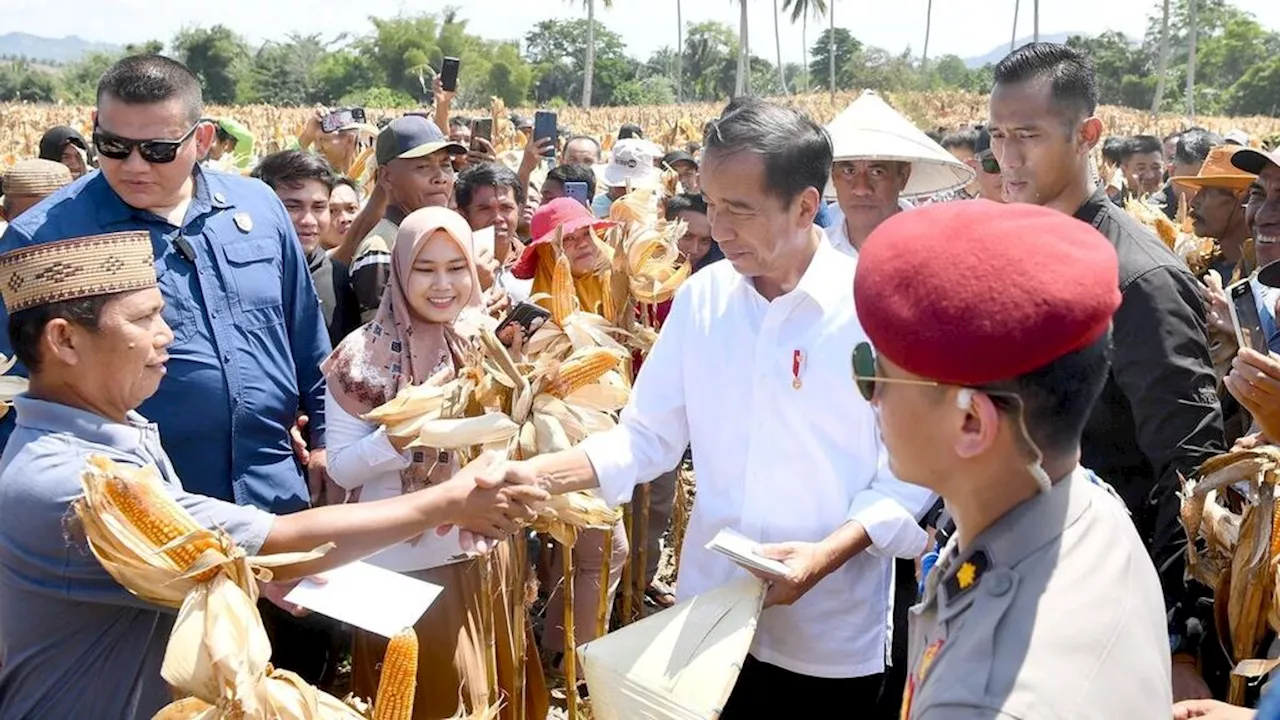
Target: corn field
x: 670, y: 125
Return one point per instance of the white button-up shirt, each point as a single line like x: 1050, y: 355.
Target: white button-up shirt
x: 774, y: 462
x: 838, y: 235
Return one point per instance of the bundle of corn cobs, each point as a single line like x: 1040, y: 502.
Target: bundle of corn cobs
x: 218, y: 651
x: 1232, y: 520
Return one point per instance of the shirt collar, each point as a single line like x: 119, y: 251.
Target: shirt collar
x: 111, y: 209
x: 54, y: 417
x: 1021, y: 532
x: 821, y: 280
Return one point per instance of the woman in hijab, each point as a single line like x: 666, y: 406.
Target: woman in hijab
x: 412, y: 340
x: 65, y: 145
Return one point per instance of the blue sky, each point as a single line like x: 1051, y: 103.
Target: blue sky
x: 961, y: 27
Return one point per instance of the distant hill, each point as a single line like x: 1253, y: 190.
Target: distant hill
x: 62, y: 50
x: 997, y: 53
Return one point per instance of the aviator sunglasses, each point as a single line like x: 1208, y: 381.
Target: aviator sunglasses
x: 158, y: 152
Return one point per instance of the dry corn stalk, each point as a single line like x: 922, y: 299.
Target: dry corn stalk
x: 218, y: 651
x: 1197, y: 252
x: 399, y: 679
x: 1240, y: 552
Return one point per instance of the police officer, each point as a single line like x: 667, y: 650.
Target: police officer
x: 992, y: 344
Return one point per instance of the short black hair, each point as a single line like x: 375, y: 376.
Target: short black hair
x: 1141, y: 145
x: 149, y: 79
x: 685, y: 202
x: 1113, y: 149
x: 223, y: 135
x: 692, y: 147
x: 458, y: 121
x: 630, y: 130
x: 1171, y: 136
x: 574, y: 173
x: 1074, y: 86
x: 963, y: 138
x: 291, y: 168
x: 26, y: 326
x: 485, y: 175
x: 1193, y: 146
x: 1058, y: 398
x: 796, y: 151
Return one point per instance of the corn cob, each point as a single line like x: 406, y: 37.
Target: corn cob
x: 163, y: 522
x: 582, y: 370
x: 562, y: 291
x: 399, y: 679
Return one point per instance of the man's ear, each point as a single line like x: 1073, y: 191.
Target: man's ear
x: 60, y: 339
x: 204, y: 138
x: 1090, y: 133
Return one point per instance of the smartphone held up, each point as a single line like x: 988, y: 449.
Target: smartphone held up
x: 449, y: 74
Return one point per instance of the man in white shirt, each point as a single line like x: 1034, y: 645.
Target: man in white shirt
x: 752, y: 369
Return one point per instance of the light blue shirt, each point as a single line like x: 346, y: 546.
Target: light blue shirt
x: 249, y: 332
x: 1266, y: 298
x: 73, y: 642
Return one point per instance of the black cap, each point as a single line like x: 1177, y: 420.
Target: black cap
x: 413, y: 136
x: 630, y: 130
x: 57, y: 138
x: 678, y: 156
x: 1254, y: 161
x: 1269, y: 274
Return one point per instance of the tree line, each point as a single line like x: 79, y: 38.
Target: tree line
x: 1237, y: 67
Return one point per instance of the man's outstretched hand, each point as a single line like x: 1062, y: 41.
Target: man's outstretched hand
x: 492, y: 503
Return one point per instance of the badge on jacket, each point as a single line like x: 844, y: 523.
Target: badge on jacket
x: 243, y: 222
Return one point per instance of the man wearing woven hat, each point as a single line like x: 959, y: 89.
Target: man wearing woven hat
x: 27, y: 183
x: 249, y: 334
x: 982, y: 398
x: 880, y: 159
x: 415, y: 168
x: 87, y: 319
x: 1217, y: 195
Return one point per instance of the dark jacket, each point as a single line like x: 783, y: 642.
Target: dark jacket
x: 337, y: 299
x: 1159, y: 414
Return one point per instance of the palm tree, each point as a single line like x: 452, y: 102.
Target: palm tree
x: 589, y: 68
x: 800, y: 10
x: 679, y: 53
x: 831, y: 51
x: 1035, y: 14
x: 742, y: 86
x: 777, y: 41
x: 924, y: 58
x: 1164, y: 60
x: 1193, y: 31
x: 1014, y: 38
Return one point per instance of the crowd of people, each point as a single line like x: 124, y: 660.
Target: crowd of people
x: 982, y: 521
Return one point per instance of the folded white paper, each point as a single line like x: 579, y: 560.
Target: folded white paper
x: 745, y: 552
x: 367, y: 596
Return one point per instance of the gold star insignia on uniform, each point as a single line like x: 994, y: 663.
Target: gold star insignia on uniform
x: 965, y: 576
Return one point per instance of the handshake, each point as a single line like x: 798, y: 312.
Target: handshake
x: 490, y: 499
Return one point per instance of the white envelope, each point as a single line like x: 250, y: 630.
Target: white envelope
x: 367, y: 596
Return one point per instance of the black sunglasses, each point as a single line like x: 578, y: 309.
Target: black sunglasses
x: 158, y: 152
x: 990, y: 165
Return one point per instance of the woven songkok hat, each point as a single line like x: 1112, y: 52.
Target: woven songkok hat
x: 34, y: 178
x: 76, y: 268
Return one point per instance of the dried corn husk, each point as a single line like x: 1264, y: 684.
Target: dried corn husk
x: 1241, y: 550
x: 10, y: 387
x: 565, y: 514
x: 218, y: 651
x: 1197, y: 252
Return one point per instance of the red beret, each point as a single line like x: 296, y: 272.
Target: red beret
x: 973, y: 292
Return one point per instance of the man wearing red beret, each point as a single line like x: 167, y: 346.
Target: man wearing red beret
x: 1158, y: 415
x: 1044, y: 603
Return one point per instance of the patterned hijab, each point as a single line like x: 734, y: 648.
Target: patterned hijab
x: 399, y: 348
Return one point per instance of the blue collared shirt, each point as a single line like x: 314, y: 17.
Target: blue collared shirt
x: 249, y: 333
x: 74, y: 643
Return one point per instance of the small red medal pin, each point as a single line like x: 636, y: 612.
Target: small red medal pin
x: 797, y: 359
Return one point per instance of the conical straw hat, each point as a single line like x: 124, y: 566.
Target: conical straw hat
x: 871, y: 130
x: 680, y: 664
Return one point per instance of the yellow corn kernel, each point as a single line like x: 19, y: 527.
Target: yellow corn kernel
x: 161, y: 521
x: 562, y: 291
x: 583, y: 370
x: 399, y: 679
